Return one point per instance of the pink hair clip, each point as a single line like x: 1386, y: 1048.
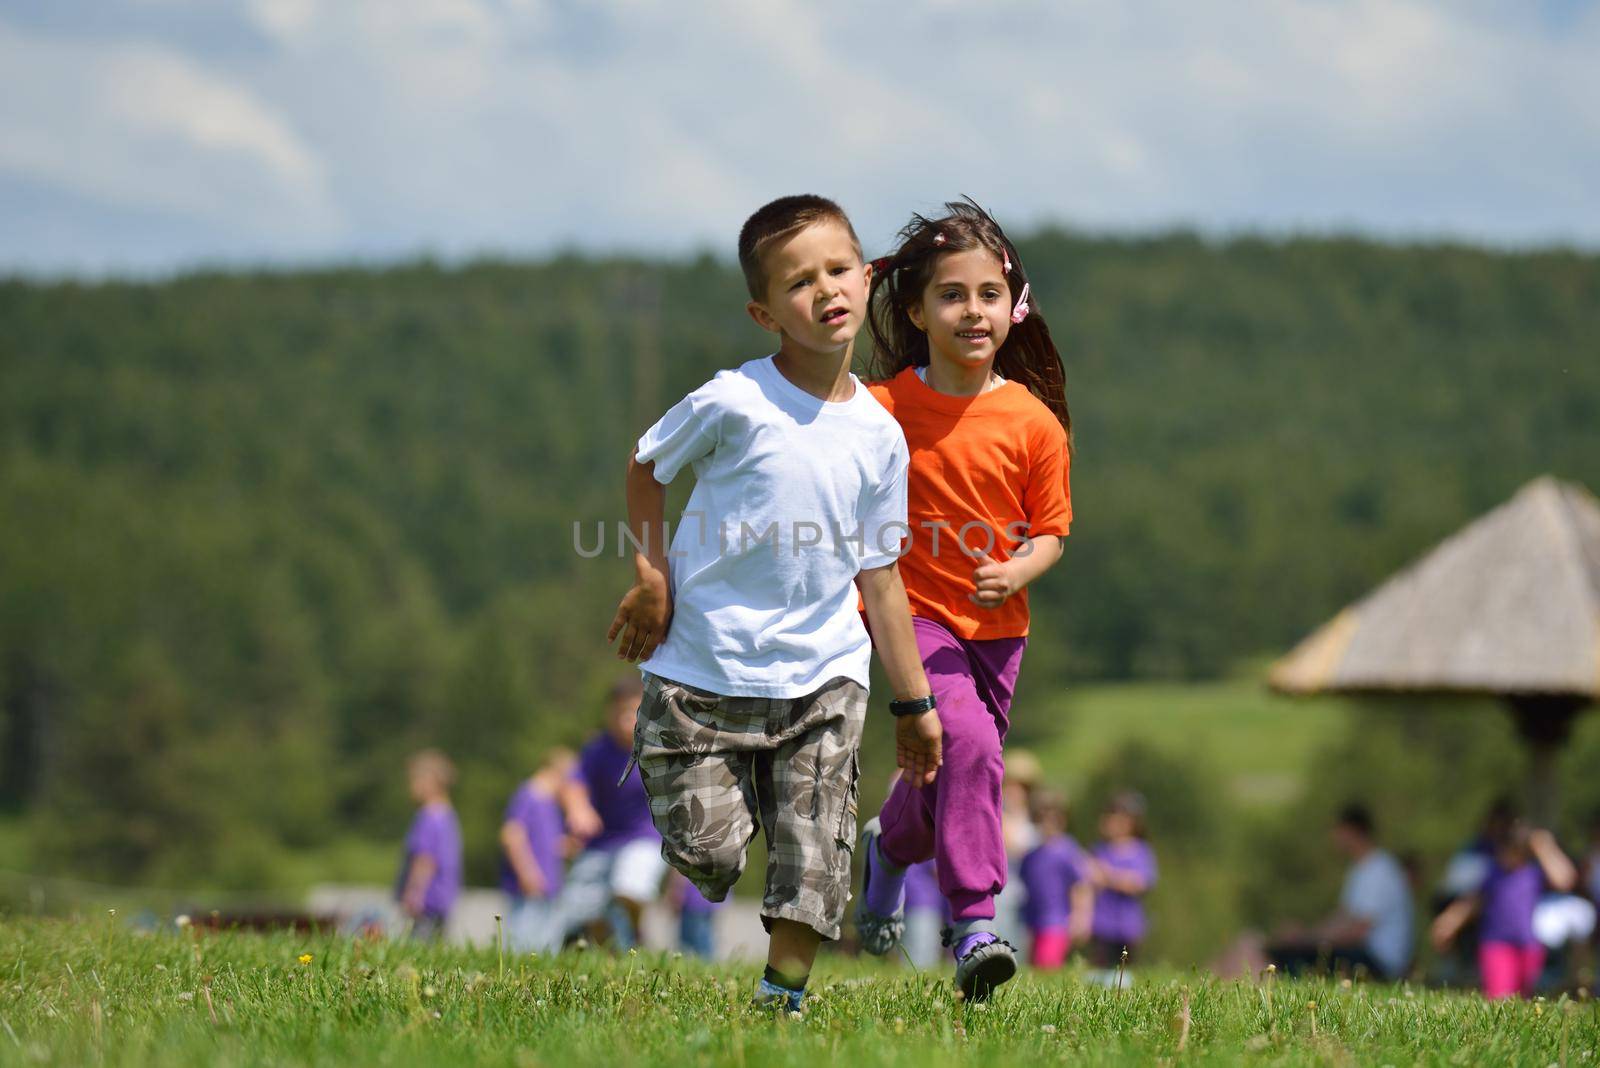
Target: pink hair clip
x: 1020, y: 312
x: 938, y: 238
x: 1008, y: 262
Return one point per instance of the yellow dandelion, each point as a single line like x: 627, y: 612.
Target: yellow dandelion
x: 305, y: 958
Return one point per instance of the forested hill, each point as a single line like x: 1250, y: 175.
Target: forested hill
x: 264, y: 533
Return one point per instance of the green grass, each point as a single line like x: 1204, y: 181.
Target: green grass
x: 96, y: 993
x: 1257, y: 742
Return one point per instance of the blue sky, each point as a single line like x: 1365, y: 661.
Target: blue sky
x: 150, y: 135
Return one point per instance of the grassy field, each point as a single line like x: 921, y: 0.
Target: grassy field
x: 94, y: 992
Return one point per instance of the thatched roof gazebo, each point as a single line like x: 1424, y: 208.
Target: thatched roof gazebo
x: 1509, y: 607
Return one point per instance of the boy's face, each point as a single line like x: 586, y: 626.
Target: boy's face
x: 620, y: 718
x: 816, y: 289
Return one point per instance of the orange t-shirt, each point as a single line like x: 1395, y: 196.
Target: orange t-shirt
x: 997, y: 460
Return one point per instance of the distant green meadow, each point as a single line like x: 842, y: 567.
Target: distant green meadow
x: 96, y: 992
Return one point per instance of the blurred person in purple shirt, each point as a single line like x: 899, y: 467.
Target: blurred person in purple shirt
x: 430, y: 874
x: 1125, y: 870
x: 927, y: 913
x: 697, y: 928
x: 1058, y: 878
x: 620, y: 869
x: 1591, y: 863
x: 1525, y: 861
x: 532, y: 854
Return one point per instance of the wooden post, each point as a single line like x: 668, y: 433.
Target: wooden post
x: 1545, y: 723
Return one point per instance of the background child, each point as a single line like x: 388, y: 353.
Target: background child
x: 927, y: 913
x: 532, y: 862
x: 430, y: 874
x: 1591, y: 864
x: 1022, y: 776
x: 1509, y: 956
x: 1057, y: 877
x: 620, y: 869
x: 1125, y: 870
x: 756, y: 696
x: 976, y: 384
x: 697, y: 919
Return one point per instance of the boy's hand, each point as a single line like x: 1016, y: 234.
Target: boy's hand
x: 919, y: 746
x: 994, y: 581
x: 643, y: 615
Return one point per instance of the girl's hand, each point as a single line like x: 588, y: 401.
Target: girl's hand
x: 995, y: 582
x: 643, y: 616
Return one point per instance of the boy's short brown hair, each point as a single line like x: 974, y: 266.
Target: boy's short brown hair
x: 780, y: 219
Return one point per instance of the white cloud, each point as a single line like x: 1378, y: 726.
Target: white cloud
x: 138, y: 125
x: 386, y: 126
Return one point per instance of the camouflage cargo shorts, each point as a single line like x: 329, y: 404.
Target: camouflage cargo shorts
x: 717, y: 768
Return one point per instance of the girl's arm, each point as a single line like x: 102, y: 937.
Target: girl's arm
x: 917, y: 739
x: 646, y: 610
x: 417, y: 879
x: 1082, y: 922
x: 1559, y: 871
x: 996, y: 582
x: 514, y: 840
x: 1448, y: 924
x: 1132, y: 883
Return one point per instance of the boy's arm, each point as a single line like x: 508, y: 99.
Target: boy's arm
x: 514, y: 840
x: 646, y: 610
x: 417, y: 879
x: 918, y: 739
x: 996, y: 581
x: 578, y: 810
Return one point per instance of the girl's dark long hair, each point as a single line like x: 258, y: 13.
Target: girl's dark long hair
x: 1028, y: 355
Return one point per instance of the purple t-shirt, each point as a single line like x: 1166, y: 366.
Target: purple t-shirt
x: 539, y: 814
x: 922, y: 889
x: 1049, y: 872
x: 435, y: 833
x: 1119, y: 917
x: 624, y: 810
x: 694, y: 902
x: 1509, y: 897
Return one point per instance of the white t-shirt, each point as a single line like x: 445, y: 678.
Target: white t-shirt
x: 1375, y: 890
x: 793, y: 497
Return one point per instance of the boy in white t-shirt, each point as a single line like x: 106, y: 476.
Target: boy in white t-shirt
x: 755, y: 696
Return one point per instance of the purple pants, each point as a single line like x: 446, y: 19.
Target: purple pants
x: 956, y: 819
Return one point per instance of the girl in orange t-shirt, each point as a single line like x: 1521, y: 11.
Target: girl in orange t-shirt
x: 970, y: 373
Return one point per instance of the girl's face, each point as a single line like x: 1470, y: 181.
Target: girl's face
x: 1116, y: 825
x: 421, y: 784
x: 1511, y: 855
x: 965, y: 309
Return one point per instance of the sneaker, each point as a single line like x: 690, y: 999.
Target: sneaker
x: 988, y: 962
x: 770, y: 996
x: 879, y: 934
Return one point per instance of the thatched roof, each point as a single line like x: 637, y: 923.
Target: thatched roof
x: 1510, y: 605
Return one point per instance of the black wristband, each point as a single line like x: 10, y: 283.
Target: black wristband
x: 912, y: 706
